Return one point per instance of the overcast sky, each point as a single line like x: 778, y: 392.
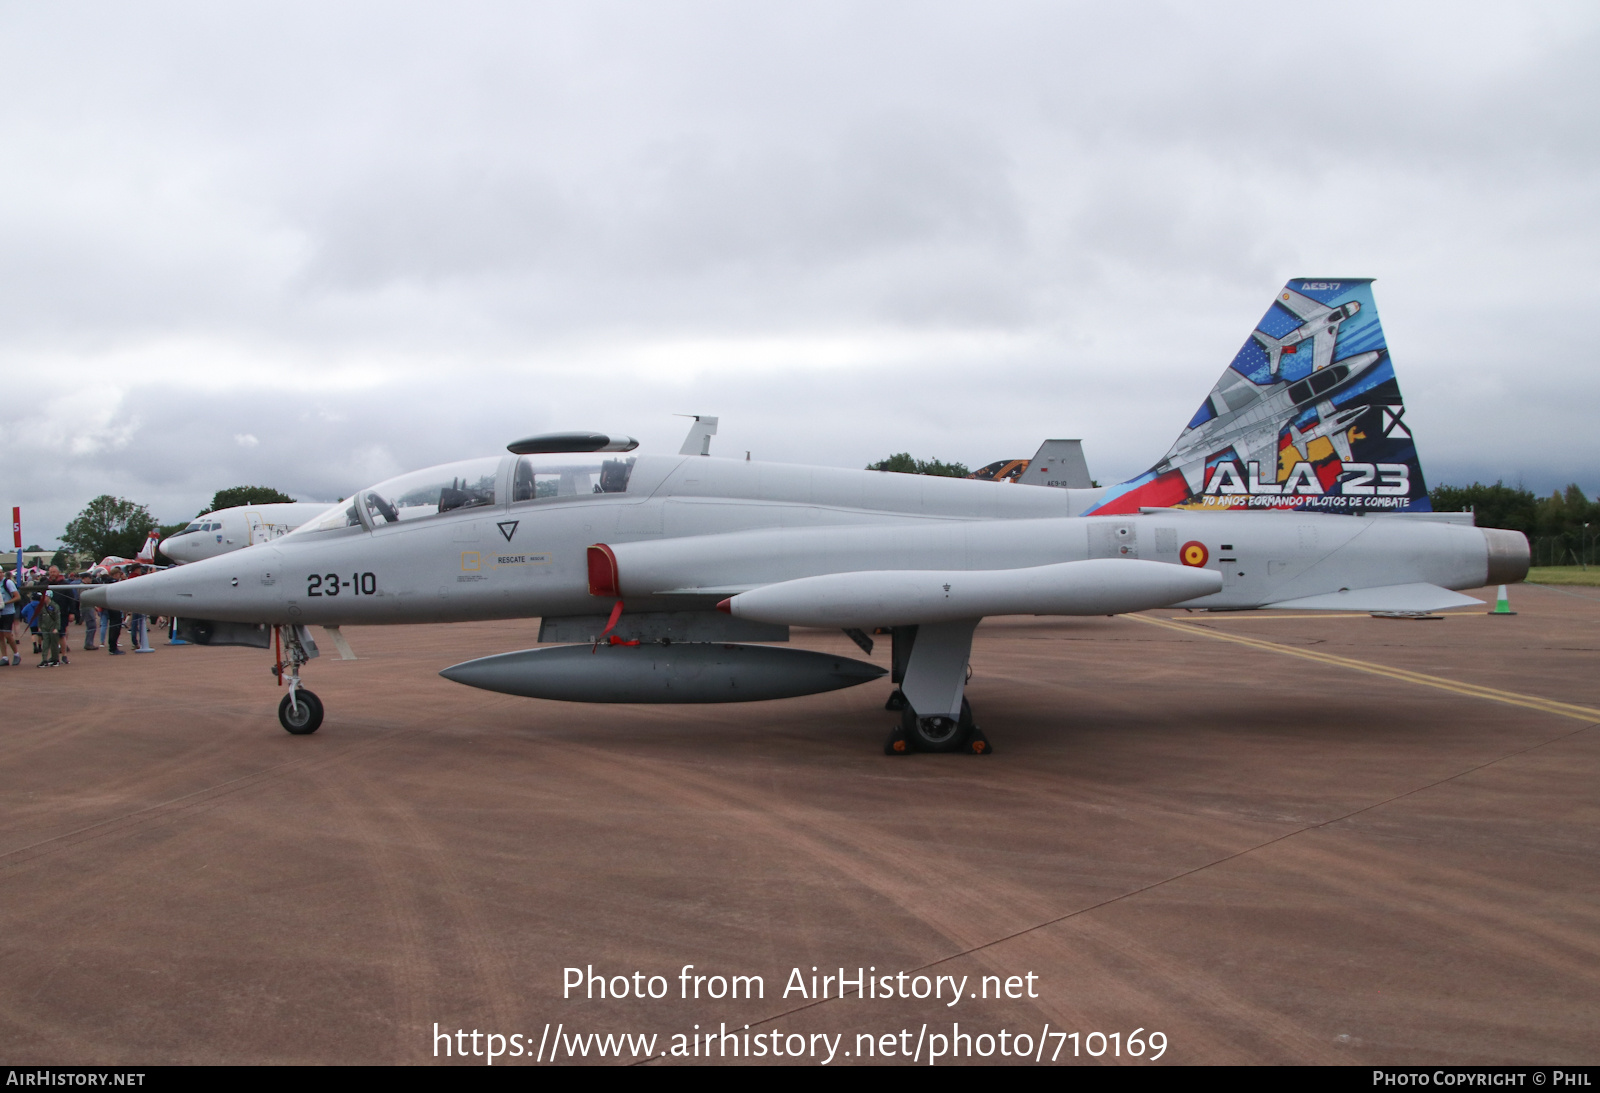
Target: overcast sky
x: 312, y: 246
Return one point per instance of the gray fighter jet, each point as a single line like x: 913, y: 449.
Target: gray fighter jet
x: 675, y: 578
x: 1332, y: 424
x: 1248, y: 416
x: 1319, y: 323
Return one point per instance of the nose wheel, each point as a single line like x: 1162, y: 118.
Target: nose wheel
x: 300, y: 712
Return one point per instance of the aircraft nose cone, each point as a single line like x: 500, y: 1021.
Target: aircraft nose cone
x: 93, y: 596
x: 857, y: 671
x: 473, y: 673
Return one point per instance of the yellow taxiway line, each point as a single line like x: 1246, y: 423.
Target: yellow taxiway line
x: 1471, y: 690
x: 1251, y: 616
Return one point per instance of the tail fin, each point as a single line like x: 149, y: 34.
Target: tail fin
x: 147, y: 553
x: 1308, y: 416
x: 1058, y: 463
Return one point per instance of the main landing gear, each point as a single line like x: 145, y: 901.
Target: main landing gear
x: 930, y: 664
x: 300, y: 712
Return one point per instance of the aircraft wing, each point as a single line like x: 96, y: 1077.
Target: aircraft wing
x: 837, y: 576
x: 1322, y: 349
x: 1341, y: 444
x: 1335, y: 424
x: 716, y: 591
x: 1394, y: 597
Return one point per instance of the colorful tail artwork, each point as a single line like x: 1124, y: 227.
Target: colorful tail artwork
x: 1308, y: 416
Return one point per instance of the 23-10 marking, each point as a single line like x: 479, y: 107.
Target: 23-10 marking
x: 327, y: 584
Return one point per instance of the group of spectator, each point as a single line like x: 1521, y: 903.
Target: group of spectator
x: 48, y: 606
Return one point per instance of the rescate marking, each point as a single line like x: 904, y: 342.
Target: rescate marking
x: 1471, y: 690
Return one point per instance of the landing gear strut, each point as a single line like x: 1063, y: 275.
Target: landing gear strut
x: 300, y: 712
x: 930, y: 664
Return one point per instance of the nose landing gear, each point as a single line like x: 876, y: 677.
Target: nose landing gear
x: 300, y: 712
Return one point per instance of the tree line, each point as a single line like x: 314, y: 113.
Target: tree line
x: 1562, y: 529
x: 902, y: 463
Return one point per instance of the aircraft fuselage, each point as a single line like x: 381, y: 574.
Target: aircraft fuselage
x: 676, y: 536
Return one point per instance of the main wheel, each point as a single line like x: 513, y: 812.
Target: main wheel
x: 933, y: 733
x: 304, y: 715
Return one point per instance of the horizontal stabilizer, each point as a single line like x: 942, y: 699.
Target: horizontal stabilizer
x: 1393, y: 597
x: 1465, y: 519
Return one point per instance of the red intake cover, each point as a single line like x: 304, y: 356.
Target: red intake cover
x: 603, y: 579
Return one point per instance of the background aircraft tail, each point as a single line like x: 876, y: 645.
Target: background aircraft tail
x: 1307, y: 416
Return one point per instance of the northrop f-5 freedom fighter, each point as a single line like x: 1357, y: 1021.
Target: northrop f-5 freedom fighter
x: 669, y: 578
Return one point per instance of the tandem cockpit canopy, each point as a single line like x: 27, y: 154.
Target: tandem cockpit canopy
x: 493, y: 481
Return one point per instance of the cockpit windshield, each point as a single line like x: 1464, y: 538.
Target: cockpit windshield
x: 475, y: 483
x: 469, y: 483
x: 339, y: 516
x: 445, y: 488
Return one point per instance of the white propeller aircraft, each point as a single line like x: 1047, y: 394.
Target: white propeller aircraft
x: 236, y: 528
x: 659, y: 577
